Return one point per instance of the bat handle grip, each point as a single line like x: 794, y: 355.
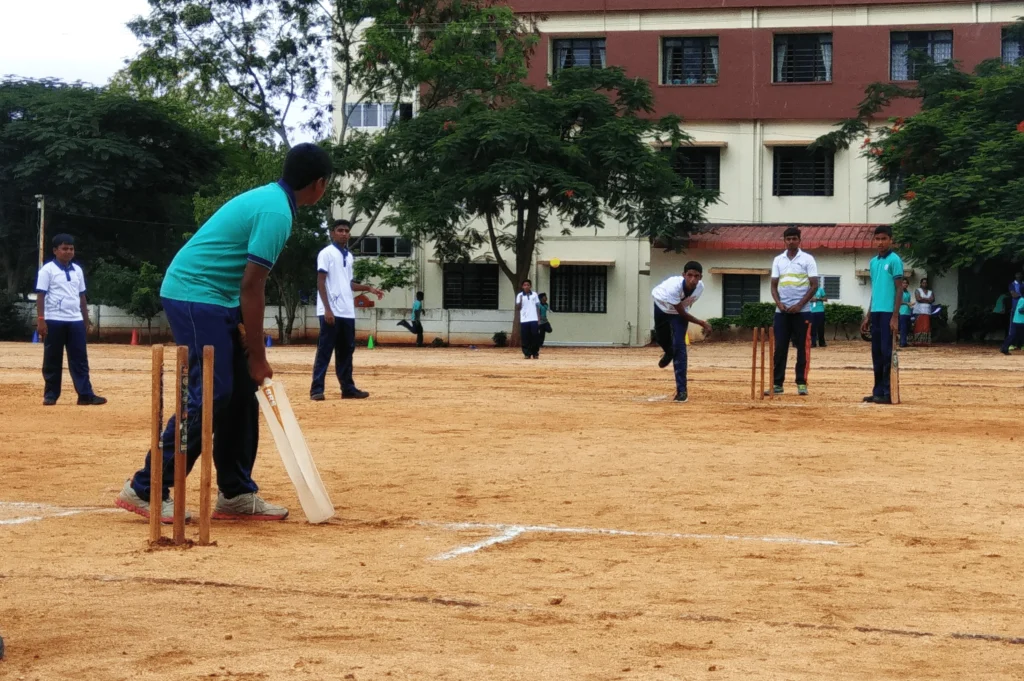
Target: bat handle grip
x: 267, y: 383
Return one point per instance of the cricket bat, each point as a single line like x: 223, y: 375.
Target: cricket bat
x: 291, y: 444
x: 894, y: 373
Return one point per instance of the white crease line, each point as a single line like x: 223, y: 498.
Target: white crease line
x: 50, y: 510
x: 509, y: 533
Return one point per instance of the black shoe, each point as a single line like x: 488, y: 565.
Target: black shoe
x: 869, y: 398
x: 536, y: 356
x: 883, y: 400
x: 665, y: 360
x: 1004, y: 351
x: 49, y: 401
x: 355, y: 395
x: 319, y: 397
x: 680, y: 397
x: 92, y: 400
x: 822, y: 345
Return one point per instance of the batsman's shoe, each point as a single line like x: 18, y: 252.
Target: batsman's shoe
x: 247, y: 507
x: 130, y: 501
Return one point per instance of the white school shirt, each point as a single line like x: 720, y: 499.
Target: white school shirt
x: 529, y: 303
x: 338, y: 267
x: 919, y: 307
x: 670, y: 292
x: 794, y: 277
x: 63, y: 288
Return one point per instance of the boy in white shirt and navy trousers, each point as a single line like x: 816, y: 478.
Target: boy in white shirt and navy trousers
x: 63, y: 319
x: 336, y: 309
x: 528, y: 304
x: 794, y: 283
x: 672, y: 301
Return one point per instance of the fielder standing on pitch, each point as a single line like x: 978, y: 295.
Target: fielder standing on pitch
x: 213, y: 294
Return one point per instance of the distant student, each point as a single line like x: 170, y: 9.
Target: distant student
x: 336, y: 309
x: 794, y: 283
x: 1008, y: 307
x: 673, y: 299
x: 905, y: 307
x: 924, y: 299
x: 544, y: 326
x: 883, y: 320
x: 1016, y: 336
x: 818, y: 317
x: 415, y: 326
x: 528, y: 305
x: 62, y: 321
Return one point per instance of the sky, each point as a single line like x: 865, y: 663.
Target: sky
x: 67, y: 39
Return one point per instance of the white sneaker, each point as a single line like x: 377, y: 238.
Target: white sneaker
x: 130, y: 501
x: 247, y: 507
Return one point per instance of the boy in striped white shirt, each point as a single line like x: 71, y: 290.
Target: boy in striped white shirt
x: 794, y: 282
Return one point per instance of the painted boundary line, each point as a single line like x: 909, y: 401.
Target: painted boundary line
x: 39, y: 512
x: 506, y: 533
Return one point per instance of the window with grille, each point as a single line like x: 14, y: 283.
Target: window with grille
x: 1013, y: 48
x: 389, y: 246
x: 831, y: 284
x: 470, y: 286
x: 689, y: 61
x: 578, y: 52
x: 579, y: 288
x: 369, y: 115
x: 737, y: 291
x: 897, y: 184
x: 702, y: 165
x: 803, y: 58
x: 799, y: 172
x: 909, y: 50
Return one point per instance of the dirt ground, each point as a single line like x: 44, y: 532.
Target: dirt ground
x: 554, y: 519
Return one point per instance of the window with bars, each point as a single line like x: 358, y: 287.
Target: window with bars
x: 803, y: 58
x: 909, y: 50
x: 799, y: 172
x: 737, y: 291
x: 389, y: 246
x: 470, y: 286
x: 831, y: 284
x: 897, y: 184
x: 579, y: 288
x: 1013, y: 48
x: 689, y: 61
x: 369, y: 115
x: 578, y: 52
x: 702, y: 165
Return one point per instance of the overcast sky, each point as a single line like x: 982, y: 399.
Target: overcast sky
x: 67, y: 39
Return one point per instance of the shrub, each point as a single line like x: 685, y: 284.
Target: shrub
x: 438, y: 342
x: 13, y: 320
x: 845, y: 317
x: 500, y: 339
x: 757, y: 315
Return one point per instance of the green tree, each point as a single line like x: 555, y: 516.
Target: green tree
x: 956, y: 169
x: 136, y: 290
x: 117, y: 173
x: 485, y: 174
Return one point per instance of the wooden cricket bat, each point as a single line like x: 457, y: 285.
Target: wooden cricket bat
x: 295, y: 454
x: 894, y: 373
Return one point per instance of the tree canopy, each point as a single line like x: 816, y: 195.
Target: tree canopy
x: 956, y: 169
x: 118, y: 173
x: 494, y: 174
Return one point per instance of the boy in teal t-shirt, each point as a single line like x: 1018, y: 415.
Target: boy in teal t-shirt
x: 1014, y: 337
x: 415, y: 326
x: 818, y: 318
x: 904, y: 311
x: 213, y: 294
x: 883, y: 318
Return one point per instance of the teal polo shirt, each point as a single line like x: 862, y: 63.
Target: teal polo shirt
x: 1018, y: 315
x: 252, y: 227
x: 884, y: 273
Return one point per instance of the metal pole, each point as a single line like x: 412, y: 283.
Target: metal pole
x: 41, y: 204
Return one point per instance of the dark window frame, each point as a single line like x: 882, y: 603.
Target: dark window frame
x: 697, y: 62
x: 836, y: 281
x: 749, y: 291
x: 395, y: 247
x: 802, y: 58
x: 579, y: 289
x: 925, y: 42
x: 798, y: 172
x: 1010, y: 42
x: 702, y: 165
x: 597, y: 49
x: 470, y: 286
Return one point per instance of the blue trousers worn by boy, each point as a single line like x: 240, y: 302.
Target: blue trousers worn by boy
x: 70, y: 335
x: 530, y: 332
x: 904, y: 329
x: 1013, y: 338
x: 881, y: 352
x: 235, y: 409
x: 338, y: 339
x: 670, y: 330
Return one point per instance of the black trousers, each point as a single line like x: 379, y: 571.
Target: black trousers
x: 530, y: 332
x: 338, y: 339
x: 796, y: 328
x: 70, y: 335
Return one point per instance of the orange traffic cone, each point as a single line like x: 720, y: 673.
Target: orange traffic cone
x: 135, y: 336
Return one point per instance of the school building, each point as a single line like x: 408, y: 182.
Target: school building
x: 755, y: 82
